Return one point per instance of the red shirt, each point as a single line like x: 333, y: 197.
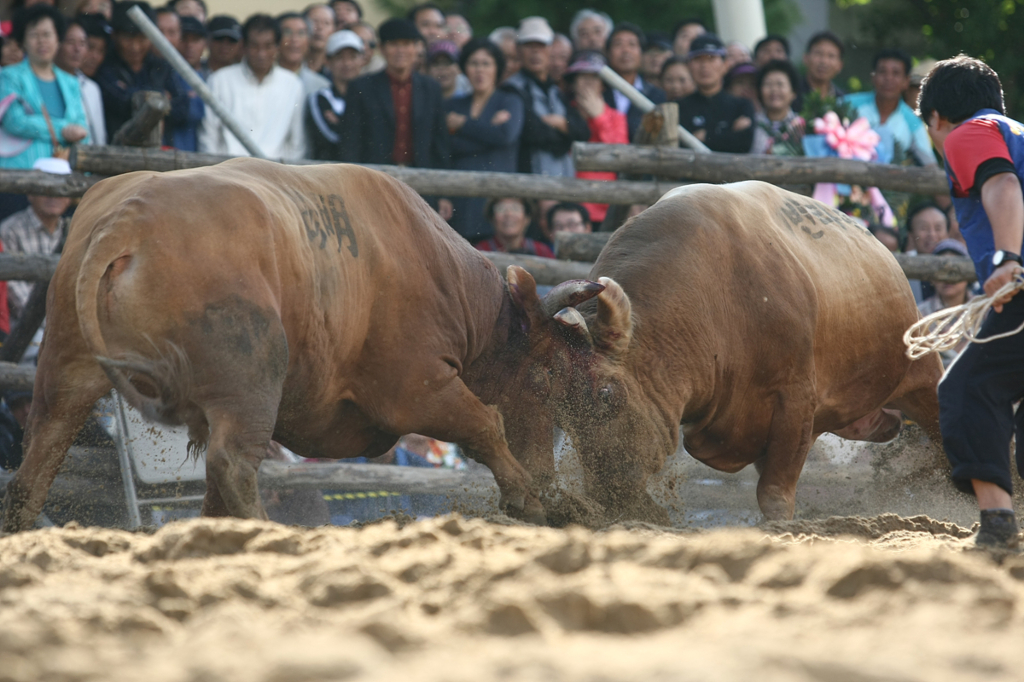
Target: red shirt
x: 610, y: 128
x: 970, y: 145
x: 401, y: 97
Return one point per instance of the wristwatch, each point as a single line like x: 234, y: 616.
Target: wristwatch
x: 1000, y: 257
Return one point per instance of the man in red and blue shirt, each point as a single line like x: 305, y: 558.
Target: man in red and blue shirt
x: 961, y: 102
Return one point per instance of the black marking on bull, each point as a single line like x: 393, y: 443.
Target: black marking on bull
x: 799, y: 214
x: 338, y: 211
x: 327, y: 218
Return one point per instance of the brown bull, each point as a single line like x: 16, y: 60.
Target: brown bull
x: 757, y: 320
x: 325, y: 307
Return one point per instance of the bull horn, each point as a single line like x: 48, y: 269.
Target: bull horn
x: 570, y: 294
x: 613, y: 326
x: 571, y: 317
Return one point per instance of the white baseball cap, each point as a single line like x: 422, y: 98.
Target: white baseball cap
x: 52, y: 165
x: 535, y: 30
x: 339, y: 40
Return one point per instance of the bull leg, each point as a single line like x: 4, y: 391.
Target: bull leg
x: 57, y: 414
x: 789, y: 440
x: 454, y: 414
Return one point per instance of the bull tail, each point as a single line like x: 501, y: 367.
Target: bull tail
x: 166, y: 380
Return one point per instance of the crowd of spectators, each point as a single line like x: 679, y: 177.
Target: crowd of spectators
x: 421, y: 90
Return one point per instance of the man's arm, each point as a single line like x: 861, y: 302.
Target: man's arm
x: 1004, y: 205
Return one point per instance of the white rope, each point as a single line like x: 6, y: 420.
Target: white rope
x: 946, y: 328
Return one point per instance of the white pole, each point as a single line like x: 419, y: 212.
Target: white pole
x: 193, y: 79
x: 645, y: 105
x: 741, y: 20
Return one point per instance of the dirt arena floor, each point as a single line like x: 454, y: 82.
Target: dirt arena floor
x: 873, y: 598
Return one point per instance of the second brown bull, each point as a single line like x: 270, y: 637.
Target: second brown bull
x: 326, y: 307
x: 755, y: 319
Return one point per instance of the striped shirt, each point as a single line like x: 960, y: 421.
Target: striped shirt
x: 23, y: 233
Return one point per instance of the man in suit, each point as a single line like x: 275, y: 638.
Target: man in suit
x: 396, y: 116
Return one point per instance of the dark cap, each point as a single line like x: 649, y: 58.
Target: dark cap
x: 223, y: 26
x: 743, y: 69
x: 706, y: 43
x: 94, y: 25
x: 398, y: 29
x: 443, y: 48
x: 947, y: 245
x: 192, y: 26
x: 122, y: 23
x: 586, y: 61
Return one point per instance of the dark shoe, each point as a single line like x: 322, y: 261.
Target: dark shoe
x: 998, y: 530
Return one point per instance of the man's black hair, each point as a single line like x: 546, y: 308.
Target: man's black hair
x: 830, y: 37
x: 285, y: 16
x: 626, y: 27
x: 261, y: 22
x: 95, y: 26
x: 876, y: 229
x: 924, y: 206
x: 411, y: 15
x: 567, y: 206
x: 672, y: 61
x: 686, y: 22
x: 26, y: 18
x: 895, y: 54
x: 773, y: 38
x: 783, y: 66
x: 958, y: 88
x: 359, y: 8
x: 173, y: 4
x: 477, y: 44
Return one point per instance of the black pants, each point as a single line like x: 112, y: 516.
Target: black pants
x: 976, y: 403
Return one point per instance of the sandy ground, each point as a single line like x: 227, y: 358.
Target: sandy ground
x: 884, y: 598
x: 844, y: 593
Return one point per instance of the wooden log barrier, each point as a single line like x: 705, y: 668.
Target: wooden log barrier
x: 587, y: 247
x: 546, y: 271
x: 38, y: 268
x: 779, y: 170
x: 427, y: 181
x: 143, y: 128
x: 16, y: 377
x: 46, y: 184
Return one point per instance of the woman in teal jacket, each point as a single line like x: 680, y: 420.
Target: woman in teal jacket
x: 34, y: 83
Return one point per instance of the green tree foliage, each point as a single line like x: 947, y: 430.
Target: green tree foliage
x: 486, y: 15
x: 987, y: 29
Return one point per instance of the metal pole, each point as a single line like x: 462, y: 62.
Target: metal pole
x: 192, y: 78
x: 645, y: 105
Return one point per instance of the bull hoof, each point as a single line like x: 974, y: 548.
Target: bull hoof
x: 525, y: 508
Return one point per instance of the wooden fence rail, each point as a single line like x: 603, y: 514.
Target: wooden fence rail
x: 118, y: 160
x: 587, y: 247
x: 685, y: 164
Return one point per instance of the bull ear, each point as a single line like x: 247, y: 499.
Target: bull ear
x: 613, y: 326
x: 570, y: 294
x: 523, y: 290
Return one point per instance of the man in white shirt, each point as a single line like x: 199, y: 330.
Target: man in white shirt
x: 266, y: 99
